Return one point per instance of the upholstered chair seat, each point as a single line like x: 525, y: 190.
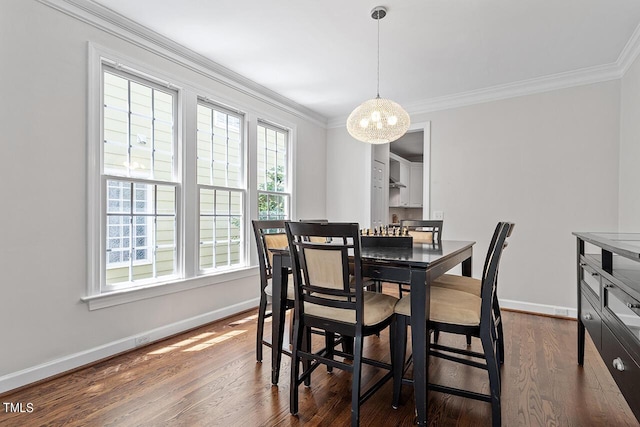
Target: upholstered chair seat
x: 459, y: 283
x: 448, y: 306
x: 291, y: 292
x: 377, y: 307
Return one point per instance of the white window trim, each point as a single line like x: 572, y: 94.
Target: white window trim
x: 188, y: 94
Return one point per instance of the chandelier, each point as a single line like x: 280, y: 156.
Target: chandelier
x: 378, y: 120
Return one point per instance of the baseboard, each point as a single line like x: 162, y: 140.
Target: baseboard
x: 73, y: 361
x: 548, y: 310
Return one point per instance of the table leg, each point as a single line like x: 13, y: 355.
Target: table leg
x: 278, y: 315
x: 466, y: 267
x: 420, y: 341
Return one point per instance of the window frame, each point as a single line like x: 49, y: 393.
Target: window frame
x: 242, y: 188
x: 288, y: 190
x: 141, y: 78
x: 188, y: 96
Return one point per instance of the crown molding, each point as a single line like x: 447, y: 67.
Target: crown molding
x: 119, y: 26
x: 585, y: 76
x: 565, y: 80
x: 630, y: 52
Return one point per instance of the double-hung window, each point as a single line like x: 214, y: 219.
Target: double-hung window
x: 274, y: 194
x: 139, y: 184
x: 220, y: 180
x: 169, y: 191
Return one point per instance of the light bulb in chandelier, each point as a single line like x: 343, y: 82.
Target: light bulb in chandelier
x: 378, y: 121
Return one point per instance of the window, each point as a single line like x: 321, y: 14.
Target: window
x: 170, y: 198
x: 138, y: 179
x: 273, y: 172
x: 220, y: 187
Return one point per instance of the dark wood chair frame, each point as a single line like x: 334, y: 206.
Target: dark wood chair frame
x: 496, y: 305
x: 429, y: 225
x: 350, y: 298
x: 260, y: 229
x: 486, y: 331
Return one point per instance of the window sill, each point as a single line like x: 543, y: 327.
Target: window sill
x: 96, y: 302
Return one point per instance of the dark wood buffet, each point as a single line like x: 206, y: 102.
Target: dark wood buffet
x: 608, y: 272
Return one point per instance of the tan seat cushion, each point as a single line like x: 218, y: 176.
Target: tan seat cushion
x: 448, y: 306
x: 377, y: 307
x: 290, y: 288
x: 459, y: 283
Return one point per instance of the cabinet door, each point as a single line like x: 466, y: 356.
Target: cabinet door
x: 415, y: 190
x: 405, y: 178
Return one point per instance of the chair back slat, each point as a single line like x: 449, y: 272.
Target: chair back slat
x: 424, y: 230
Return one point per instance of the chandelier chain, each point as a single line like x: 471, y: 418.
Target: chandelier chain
x: 378, y: 87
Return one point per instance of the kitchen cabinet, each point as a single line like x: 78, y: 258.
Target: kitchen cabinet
x: 405, y: 183
x: 415, y: 186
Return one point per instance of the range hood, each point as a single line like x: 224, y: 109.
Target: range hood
x: 394, y: 174
x: 394, y: 183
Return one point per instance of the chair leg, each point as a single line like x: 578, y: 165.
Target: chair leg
x: 357, y: 376
x: 329, y: 342
x: 493, y: 367
x: 468, y: 340
x: 399, y: 354
x: 306, y: 346
x: 295, y: 369
x: 262, y: 310
x: 347, y: 345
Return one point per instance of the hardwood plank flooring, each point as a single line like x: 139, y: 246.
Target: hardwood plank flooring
x: 209, y: 377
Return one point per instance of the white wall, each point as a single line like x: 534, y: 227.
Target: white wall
x: 45, y: 326
x: 348, y: 178
x: 630, y: 149
x: 548, y: 162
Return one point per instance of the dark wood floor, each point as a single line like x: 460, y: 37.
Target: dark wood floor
x: 209, y: 377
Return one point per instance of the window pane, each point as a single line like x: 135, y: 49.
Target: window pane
x: 219, y: 145
x: 143, y: 198
x: 138, y: 127
x: 206, y: 201
x: 135, y: 232
x: 271, y: 206
x: 221, y: 230
x: 140, y: 99
x: 272, y: 159
x: 222, y: 202
x: 116, y: 92
x: 236, y: 203
x: 163, y: 107
x: 166, y: 200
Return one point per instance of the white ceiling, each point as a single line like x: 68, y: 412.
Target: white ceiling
x: 322, y: 54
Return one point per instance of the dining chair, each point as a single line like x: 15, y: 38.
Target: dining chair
x: 426, y: 231
x: 269, y: 234
x: 461, y: 313
x: 327, y: 299
x: 474, y: 286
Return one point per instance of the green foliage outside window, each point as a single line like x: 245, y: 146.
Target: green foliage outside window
x: 272, y: 206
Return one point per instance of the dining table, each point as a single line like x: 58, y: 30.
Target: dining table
x: 418, y: 266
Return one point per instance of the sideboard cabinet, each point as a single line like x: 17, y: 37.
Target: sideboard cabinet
x: 608, y: 271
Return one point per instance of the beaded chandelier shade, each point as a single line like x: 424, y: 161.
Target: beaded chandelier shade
x: 378, y: 120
